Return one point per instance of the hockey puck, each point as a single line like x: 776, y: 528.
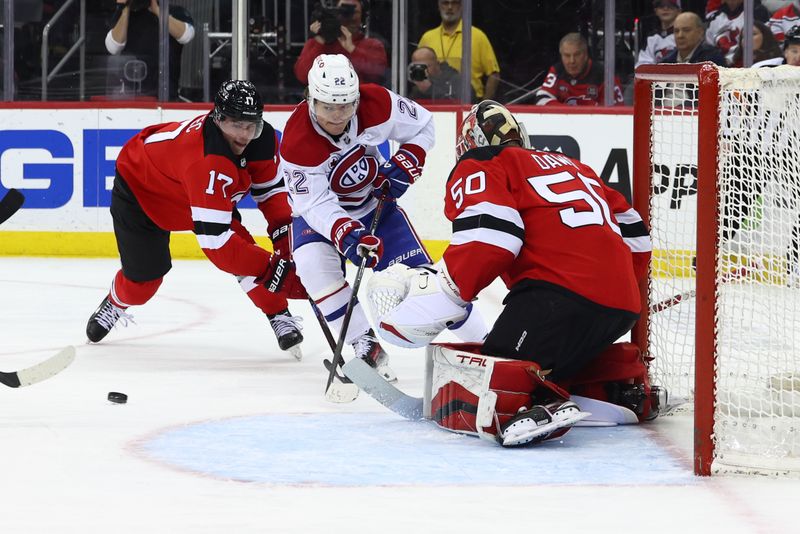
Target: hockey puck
x: 116, y: 397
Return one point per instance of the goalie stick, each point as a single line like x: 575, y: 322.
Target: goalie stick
x: 373, y: 384
x: 736, y: 274
x: 337, y: 351
x: 10, y: 203
x: 41, y: 371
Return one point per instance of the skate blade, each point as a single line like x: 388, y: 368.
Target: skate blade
x: 295, y: 351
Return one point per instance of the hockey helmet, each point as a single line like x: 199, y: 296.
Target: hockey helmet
x: 239, y: 100
x: 791, y: 37
x: 333, y: 80
x: 489, y: 123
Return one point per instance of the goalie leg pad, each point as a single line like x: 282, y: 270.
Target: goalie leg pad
x: 478, y: 394
x: 619, y: 375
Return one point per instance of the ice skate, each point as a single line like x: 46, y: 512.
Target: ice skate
x: 104, y: 318
x: 369, y: 349
x: 534, y: 425
x: 287, y: 329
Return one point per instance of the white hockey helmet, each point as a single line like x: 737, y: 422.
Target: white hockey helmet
x: 333, y: 80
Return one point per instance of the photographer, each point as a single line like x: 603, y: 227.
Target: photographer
x: 433, y: 80
x: 341, y: 31
x: 135, y: 32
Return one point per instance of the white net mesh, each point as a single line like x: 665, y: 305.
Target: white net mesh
x: 757, y: 417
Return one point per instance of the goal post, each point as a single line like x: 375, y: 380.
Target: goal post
x: 717, y: 180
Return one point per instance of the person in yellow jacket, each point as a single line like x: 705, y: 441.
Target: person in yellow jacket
x: 445, y: 39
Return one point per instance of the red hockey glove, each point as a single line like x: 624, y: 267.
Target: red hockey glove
x: 402, y: 170
x: 281, y: 277
x: 280, y: 242
x: 354, y: 242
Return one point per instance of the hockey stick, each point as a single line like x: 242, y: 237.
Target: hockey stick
x: 342, y: 390
x: 374, y: 385
x: 10, y: 204
x: 41, y: 371
x: 736, y: 274
x: 337, y: 352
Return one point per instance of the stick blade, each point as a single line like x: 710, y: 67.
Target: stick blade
x: 10, y: 203
x: 374, y: 385
x: 48, y: 368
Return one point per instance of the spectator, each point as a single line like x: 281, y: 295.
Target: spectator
x: 791, y: 50
x: 765, y: 46
x: 575, y: 80
x: 660, y: 42
x: 690, y: 45
x: 784, y: 19
x: 367, y: 54
x: 726, y: 23
x: 433, y: 80
x: 445, y: 39
x: 135, y: 31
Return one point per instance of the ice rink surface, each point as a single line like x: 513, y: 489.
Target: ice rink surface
x: 225, y: 433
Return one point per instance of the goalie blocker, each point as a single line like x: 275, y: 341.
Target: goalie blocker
x: 509, y: 401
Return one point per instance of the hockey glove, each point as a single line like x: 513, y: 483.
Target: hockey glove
x: 280, y: 242
x: 281, y: 277
x: 402, y: 170
x: 354, y: 242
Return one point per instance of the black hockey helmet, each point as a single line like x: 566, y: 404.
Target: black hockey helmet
x: 489, y: 123
x: 238, y: 100
x: 792, y: 36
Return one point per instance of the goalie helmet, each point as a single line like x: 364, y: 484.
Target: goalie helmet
x: 333, y: 80
x: 489, y: 123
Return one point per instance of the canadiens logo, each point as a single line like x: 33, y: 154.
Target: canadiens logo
x: 353, y: 171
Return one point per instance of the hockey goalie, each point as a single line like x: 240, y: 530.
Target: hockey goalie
x: 570, y: 250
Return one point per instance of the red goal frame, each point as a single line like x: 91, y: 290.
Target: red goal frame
x: 706, y: 76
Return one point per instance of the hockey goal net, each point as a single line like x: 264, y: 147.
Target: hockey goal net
x: 717, y: 178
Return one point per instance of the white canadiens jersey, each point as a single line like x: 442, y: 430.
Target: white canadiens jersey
x: 330, y: 178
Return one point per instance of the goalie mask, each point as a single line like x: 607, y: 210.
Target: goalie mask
x: 489, y: 123
x: 409, y: 307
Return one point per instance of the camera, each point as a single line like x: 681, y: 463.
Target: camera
x: 330, y: 25
x: 417, y: 72
x: 138, y: 5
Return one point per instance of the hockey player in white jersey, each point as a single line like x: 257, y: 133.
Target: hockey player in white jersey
x: 331, y: 162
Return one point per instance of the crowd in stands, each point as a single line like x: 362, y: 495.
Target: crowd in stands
x: 570, y: 68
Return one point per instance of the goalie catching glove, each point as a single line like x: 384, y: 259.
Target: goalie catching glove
x: 402, y: 170
x: 354, y: 242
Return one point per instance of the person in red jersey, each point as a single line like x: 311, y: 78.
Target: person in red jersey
x: 189, y: 176
x: 570, y: 250
x: 576, y: 80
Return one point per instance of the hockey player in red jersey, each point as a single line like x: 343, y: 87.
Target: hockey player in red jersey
x: 331, y: 163
x: 570, y: 250
x: 189, y: 176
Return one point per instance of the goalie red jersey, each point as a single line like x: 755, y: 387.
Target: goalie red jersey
x: 185, y: 177
x: 526, y: 215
